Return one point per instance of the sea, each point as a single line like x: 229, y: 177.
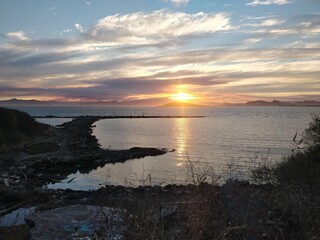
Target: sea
x: 226, y: 143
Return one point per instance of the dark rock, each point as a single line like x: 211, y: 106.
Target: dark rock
x: 157, y: 188
x: 169, y: 187
x: 12, y: 196
x: 29, y: 173
x: 140, y: 189
x: 120, y: 189
x: 42, y: 147
x: 30, y: 223
x: 20, y: 232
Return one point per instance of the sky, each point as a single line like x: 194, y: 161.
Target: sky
x: 127, y: 50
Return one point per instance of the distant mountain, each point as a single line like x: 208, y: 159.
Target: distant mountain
x: 162, y: 102
x: 17, y: 102
x: 277, y: 103
x: 145, y: 102
x: 181, y: 104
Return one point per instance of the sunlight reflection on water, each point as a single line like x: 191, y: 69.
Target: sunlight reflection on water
x: 226, y: 135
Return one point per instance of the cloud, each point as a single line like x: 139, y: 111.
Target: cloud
x: 42, y: 58
x: 66, y: 31
x: 268, y: 2
x: 79, y: 27
x: 52, y: 10
x: 139, y: 54
x: 88, y: 3
x: 17, y: 35
x: 157, y: 26
x: 308, y: 26
x: 178, y: 2
x: 113, y: 89
x: 252, y: 40
x: 263, y: 22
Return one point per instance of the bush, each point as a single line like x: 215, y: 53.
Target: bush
x: 297, y: 189
x: 311, y: 135
x: 302, y: 167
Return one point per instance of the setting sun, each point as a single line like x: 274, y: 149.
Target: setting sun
x: 182, y: 97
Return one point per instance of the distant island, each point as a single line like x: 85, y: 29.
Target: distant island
x: 276, y: 103
x: 161, y: 102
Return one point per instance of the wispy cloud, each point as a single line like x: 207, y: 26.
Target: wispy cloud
x: 264, y: 22
x: 157, y: 26
x: 79, y: 27
x: 252, y: 40
x: 268, y: 2
x: 52, y: 10
x: 17, y: 35
x: 178, y: 2
x: 66, y: 31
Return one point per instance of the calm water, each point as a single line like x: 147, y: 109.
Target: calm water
x: 53, y: 121
x: 226, y: 135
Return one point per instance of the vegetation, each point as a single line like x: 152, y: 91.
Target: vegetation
x: 297, y: 184
x: 302, y: 167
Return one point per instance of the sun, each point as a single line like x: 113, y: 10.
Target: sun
x: 182, y: 97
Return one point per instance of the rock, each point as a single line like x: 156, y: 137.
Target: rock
x: 12, y: 196
x: 20, y: 232
x: 29, y: 173
x: 4, y: 175
x: 119, y: 189
x: 169, y: 187
x: 22, y: 168
x: 6, y: 182
x: 140, y: 189
x: 15, y: 177
x: 30, y: 223
x: 42, y: 147
x: 157, y: 188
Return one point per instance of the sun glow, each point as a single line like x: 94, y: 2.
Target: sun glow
x: 182, y: 97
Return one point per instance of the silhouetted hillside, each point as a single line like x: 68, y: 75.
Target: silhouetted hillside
x: 21, y: 102
x: 16, y: 126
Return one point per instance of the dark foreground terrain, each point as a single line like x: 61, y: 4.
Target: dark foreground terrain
x: 280, y: 202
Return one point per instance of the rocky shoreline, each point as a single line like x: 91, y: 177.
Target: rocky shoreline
x: 68, y: 148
